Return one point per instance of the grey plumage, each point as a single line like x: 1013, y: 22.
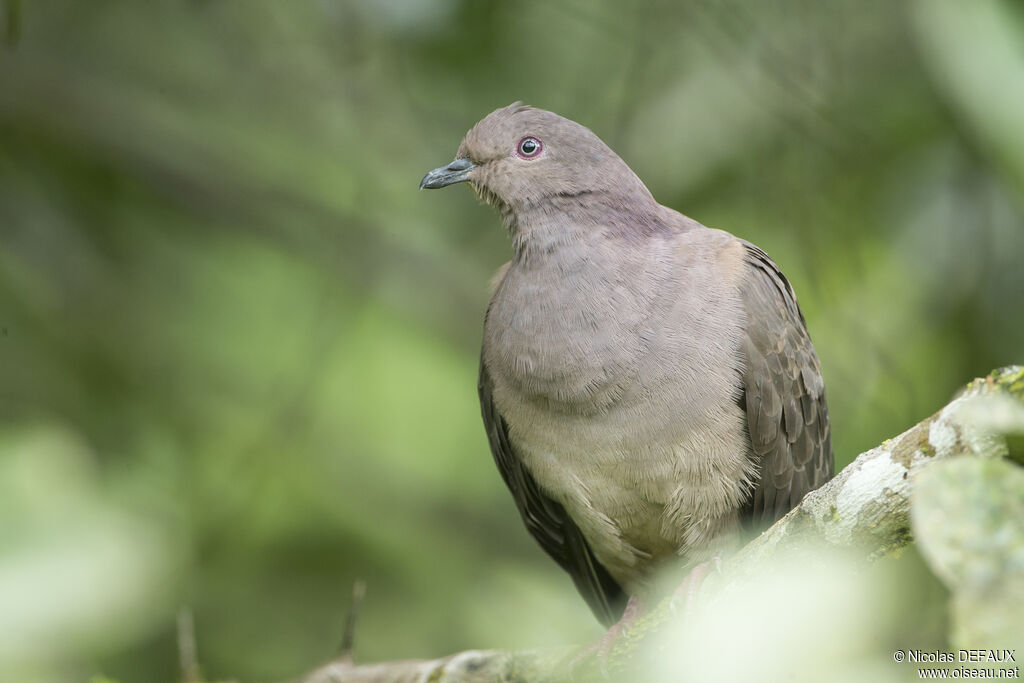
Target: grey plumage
x: 647, y: 384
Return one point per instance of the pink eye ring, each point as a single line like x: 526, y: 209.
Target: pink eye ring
x: 529, y: 147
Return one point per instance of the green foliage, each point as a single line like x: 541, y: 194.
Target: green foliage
x: 238, y: 349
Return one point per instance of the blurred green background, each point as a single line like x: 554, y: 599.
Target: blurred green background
x: 238, y: 348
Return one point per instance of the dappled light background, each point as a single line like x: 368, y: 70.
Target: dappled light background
x: 238, y: 350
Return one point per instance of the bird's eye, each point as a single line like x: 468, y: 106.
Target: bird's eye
x: 529, y: 147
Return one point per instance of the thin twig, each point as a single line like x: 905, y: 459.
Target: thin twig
x: 187, y: 658
x: 348, y: 637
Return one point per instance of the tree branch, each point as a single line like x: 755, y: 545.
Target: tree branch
x: 866, y: 507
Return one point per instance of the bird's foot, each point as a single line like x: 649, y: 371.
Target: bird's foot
x: 603, y: 647
x: 684, y: 598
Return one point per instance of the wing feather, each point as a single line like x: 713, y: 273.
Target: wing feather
x: 784, y: 395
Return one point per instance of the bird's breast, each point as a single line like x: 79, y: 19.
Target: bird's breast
x: 618, y: 381
x: 568, y: 342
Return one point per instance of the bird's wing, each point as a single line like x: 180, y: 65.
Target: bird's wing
x: 783, y: 395
x: 546, y: 520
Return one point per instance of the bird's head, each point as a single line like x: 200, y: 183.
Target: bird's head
x: 522, y: 159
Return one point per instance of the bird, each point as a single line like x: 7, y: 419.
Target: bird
x: 648, y: 385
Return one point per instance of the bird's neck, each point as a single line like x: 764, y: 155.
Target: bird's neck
x: 575, y: 222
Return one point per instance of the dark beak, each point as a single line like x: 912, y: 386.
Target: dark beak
x: 455, y: 172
